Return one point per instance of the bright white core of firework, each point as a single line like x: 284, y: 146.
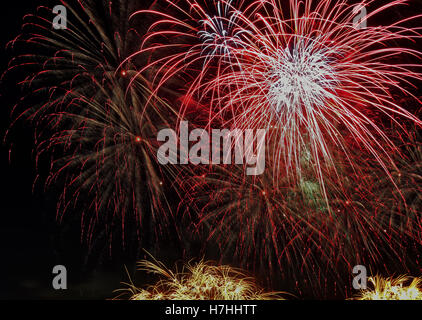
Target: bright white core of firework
x: 302, y: 77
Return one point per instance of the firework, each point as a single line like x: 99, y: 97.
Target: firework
x: 110, y: 143
x: 305, y: 74
x: 99, y: 132
x: 301, y: 234
x: 200, y: 281
x: 320, y: 84
x: 400, y: 288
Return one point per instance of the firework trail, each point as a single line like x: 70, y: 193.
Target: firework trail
x: 99, y: 133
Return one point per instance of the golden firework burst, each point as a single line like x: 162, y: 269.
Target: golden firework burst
x: 199, y: 281
x: 400, y: 288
